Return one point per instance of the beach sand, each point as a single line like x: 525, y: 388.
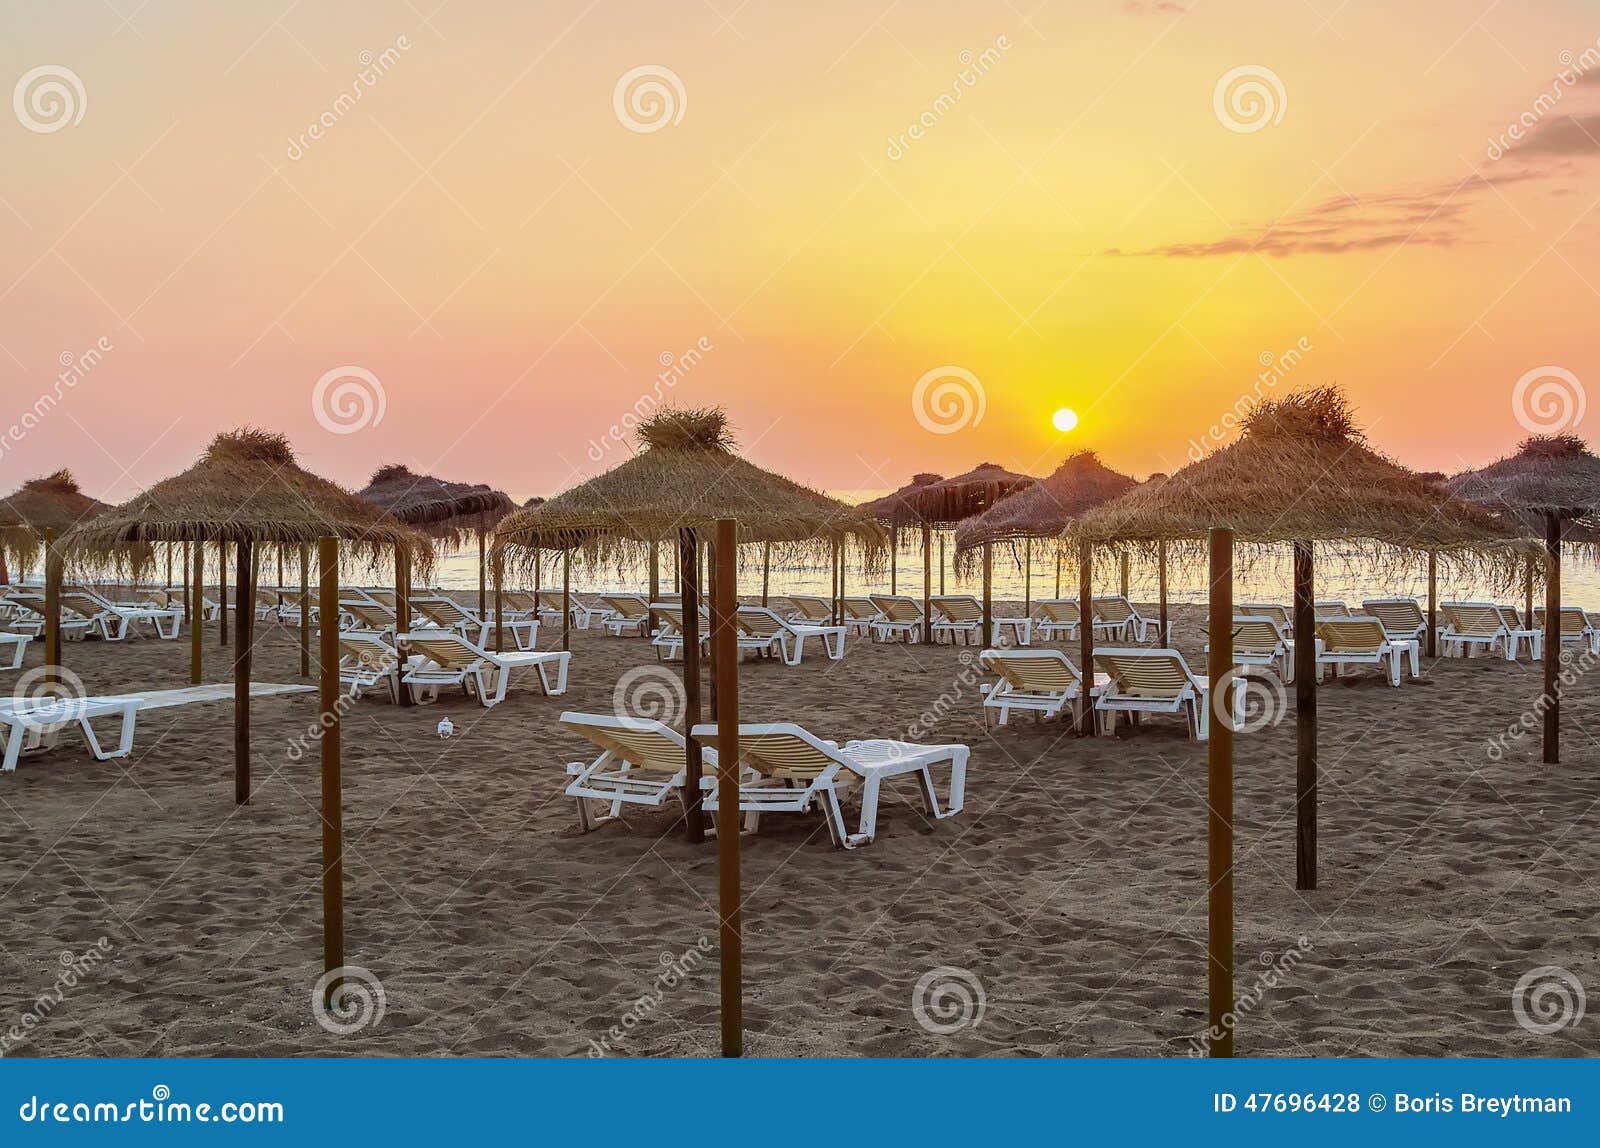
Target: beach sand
x: 1072, y: 888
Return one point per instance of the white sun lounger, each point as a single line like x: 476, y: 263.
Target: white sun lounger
x: 898, y: 617
x: 1359, y: 640
x: 30, y: 725
x: 1152, y: 681
x: 761, y: 628
x: 641, y: 763
x: 793, y: 771
x: 1041, y: 681
x: 12, y: 647
x: 446, y: 658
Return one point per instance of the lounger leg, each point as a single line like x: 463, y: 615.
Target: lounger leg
x: 15, y: 734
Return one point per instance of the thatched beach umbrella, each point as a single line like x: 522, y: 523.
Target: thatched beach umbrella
x: 951, y: 500
x: 246, y: 489
x: 31, y: 519
x: 1551, y: 487
x: 1044, y: 510
x: 449, y: 511
x: 895, y: 509
x: 1302, y: 473
x: 684, y: 478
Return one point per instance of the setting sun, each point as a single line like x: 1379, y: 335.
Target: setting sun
x: 1064, y: 420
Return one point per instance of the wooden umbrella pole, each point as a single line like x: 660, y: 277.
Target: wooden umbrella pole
x: 655, y: 584
x: 500, y: 602
x: 1161, y: 590
x: 1219, y: 796
x: 927, y: 583
x: 537, y: 585
x: 243, y: 639
x: 1027, y: 576
x: 483, y: 571
x: 222, y: 590
x: 689, y: 568
x: 305, y: 606
x: 766, y: 571
x: 1527, y: 595
x: 1058, y: 570
x: 988, y: 602
x: 838, y: 586
x: 712, y: 563
x: 188, y: 602
x: 941, y: 563
x: 1433, y: 604
x: 1085, y: 635
x: 197, y: 623
x: 566, y: 599
x: 280, y: 581
x: 1123, y: 580
x: 402, y: 611
x: 1552, y: 639
x: 169, y: 567
x: 894, y: 559
x: 52, y: 607
x: 331, y: 694
x: 726, y: 638
x: 1305, y: 707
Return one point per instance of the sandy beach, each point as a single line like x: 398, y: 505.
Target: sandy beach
x: 1072, y: 887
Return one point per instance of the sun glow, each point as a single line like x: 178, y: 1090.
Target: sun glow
x: 1064, y: 420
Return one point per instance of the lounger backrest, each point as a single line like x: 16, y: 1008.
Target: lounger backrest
x: 959, y: 608
x: 1509, y: 617
x: 1573, y: 619
x: 441, y: 611
x: 1472, y: 618
x: 644, y: 742
x: 860, y: 609
x: 1060, y: 610
x: 759, y: 621
x: 1253, y: 634
x: 1043, y: 672
x: 1113, y: 609
x: 372, y: 617
x: 812, y: 608
x: 446, y: 649
x: 368, y: 655
x: 1145, y: 673
x: 1278, y: 613
x: 783, y: 756
x: 630, y: 606
x: 382, y: 597
x: 1331, y: 607
x: 1398, y: 615
x: 82, y: 605
x: 897, y: 607
x: 1353, y: 635
x: 520, y: 600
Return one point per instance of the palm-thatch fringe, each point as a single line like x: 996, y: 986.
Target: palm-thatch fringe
x: 50, y: 503
x: 450, y: 512
x: 1302, y: 471
x: 1556, y: 474
x: 1044, y: 509
x: 245, y: 487
x: 686, y: 475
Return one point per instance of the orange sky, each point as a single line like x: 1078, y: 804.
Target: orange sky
x: 483, y: 235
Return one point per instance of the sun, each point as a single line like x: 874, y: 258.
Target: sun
x: 1064, y: 420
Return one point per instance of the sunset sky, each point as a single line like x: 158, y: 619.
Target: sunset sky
x: 509, y: 263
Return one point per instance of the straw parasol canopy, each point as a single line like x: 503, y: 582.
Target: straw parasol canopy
x: 50, y: 503
x: 441, y: 509
x: 246, y: 487
x: 950, y: 500
x: 1044, y: 509
x: 1302, y: 471
x: 1548, y: 474
x: 685, y: 476
x: 897, y: 508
